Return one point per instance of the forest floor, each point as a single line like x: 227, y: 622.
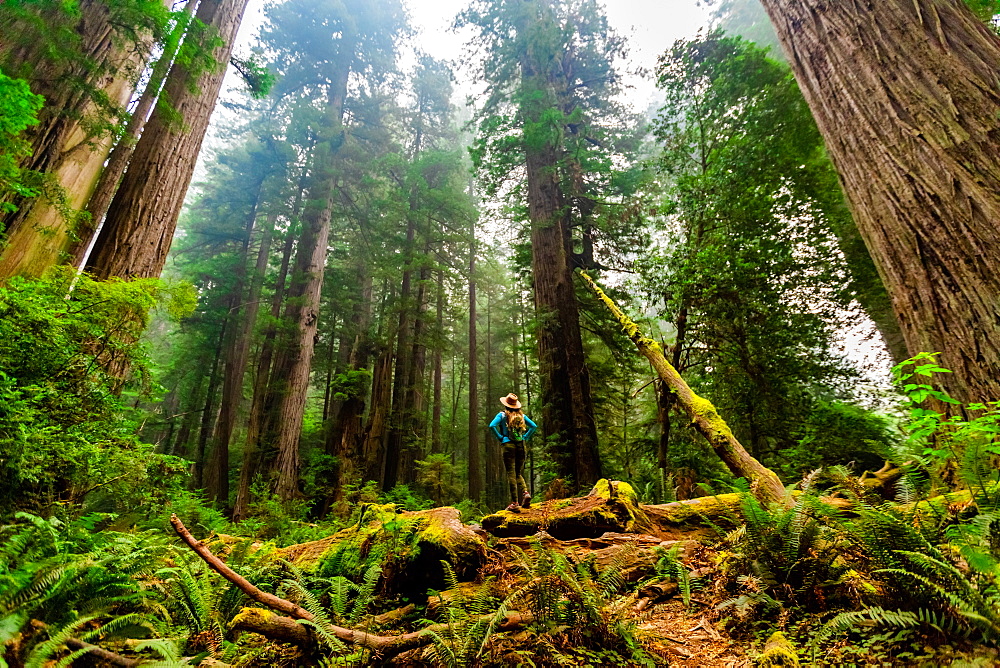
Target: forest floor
x: 587, y: 578
x: 689, y: 638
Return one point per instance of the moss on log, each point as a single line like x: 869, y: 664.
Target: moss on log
x: 411, y: 545
x: 704, y: 417
x: 778, y: 651
x: 610, y: 506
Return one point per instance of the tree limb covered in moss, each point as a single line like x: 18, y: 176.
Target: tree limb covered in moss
x: 766, y: 485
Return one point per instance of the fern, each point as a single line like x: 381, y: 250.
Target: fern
x: 61, y: 573
x: 471, y: 623
x: 670, y: 567
x: 873, y: 616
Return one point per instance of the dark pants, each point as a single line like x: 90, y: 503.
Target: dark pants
x: 513, y: 461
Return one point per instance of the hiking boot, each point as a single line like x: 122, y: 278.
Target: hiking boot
x: 513, y: 507
x: 526, y: 501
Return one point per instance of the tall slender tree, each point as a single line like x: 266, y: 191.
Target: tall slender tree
x: 349, y: 38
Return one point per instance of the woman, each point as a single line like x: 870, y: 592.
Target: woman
x: 512, y: 428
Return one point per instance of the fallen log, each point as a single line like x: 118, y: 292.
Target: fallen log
x: 603, y: 551
x: 416, y: 541
x: 765, y: 484
x: 610, y: 506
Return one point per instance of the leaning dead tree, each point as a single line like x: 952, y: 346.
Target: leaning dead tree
x: 704, y: 417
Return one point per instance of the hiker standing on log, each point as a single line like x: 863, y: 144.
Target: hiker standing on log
x: 512, y: 428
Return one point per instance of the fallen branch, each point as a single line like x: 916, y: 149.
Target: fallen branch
x: 244, y: 585
x: 105, y: 655
x: 765, y: 483
x: 287, y: 629
x: 101, y: 653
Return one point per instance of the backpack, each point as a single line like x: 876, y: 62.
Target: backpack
x: 514, y: 434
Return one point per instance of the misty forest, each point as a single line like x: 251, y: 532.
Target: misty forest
x: 319, y: 350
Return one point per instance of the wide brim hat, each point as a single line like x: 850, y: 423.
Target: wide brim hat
x: 510, y: 401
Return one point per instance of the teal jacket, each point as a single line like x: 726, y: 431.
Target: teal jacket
x: 499, y: 427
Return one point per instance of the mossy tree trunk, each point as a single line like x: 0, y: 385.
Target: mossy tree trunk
x: 766, y: 485
x: 905, y: 93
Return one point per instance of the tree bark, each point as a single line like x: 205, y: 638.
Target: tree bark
x: 475, y: 457
x: 766, y: 485
x: 568, y: 409
x: 63, y: 143
x: 107, y: 184
x: 139, y: 227
x: 905, y: 93
x: 302, y: 304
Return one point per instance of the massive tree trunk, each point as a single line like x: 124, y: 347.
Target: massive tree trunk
x: 906, y: 95
x: 303, y: 302
x: 107, y: 184
x: 140, y: 223
x: 567, y: 410
x: 67, y: 143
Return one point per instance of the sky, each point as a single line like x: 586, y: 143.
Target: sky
x: 650, y: 27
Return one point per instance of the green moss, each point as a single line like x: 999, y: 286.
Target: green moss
x: 246, y: 614
x: 622, y: 491
x: 778, y: 652
x: 705, y: 410
x: 713, y: 508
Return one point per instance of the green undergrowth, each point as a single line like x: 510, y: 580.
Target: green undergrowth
x: 906, y: 576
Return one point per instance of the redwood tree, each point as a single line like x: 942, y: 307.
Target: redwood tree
x: 329, y: 42
x: 906, y: 95
x: 142, y: 217
x: 550, y: 68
